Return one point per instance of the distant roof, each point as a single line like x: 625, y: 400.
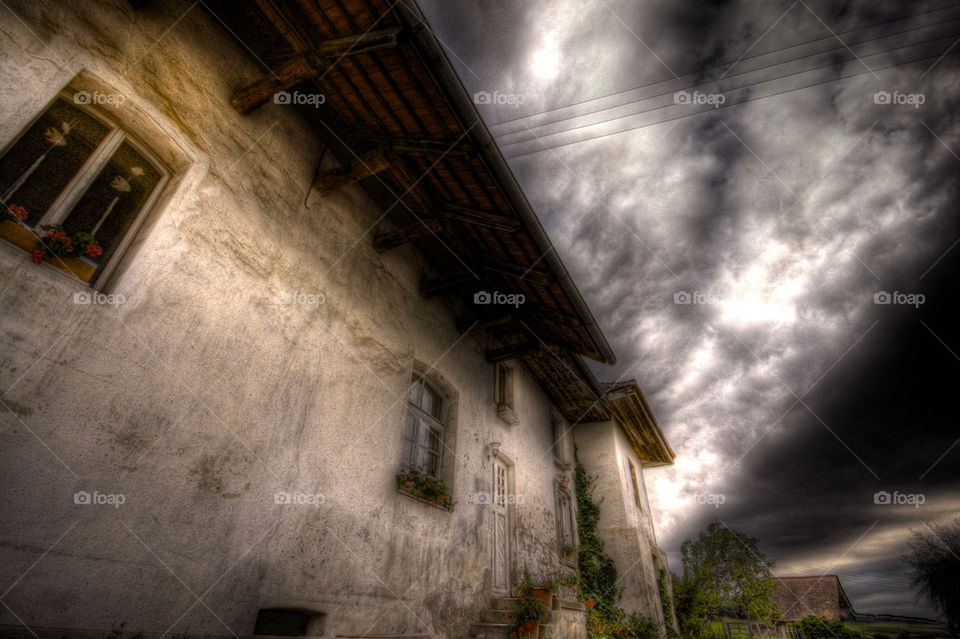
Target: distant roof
x: 801, y: 586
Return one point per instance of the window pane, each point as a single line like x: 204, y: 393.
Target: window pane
x: 112, y: 202
x: 39, y: 166
x: 414, y: 395
x: 432, y: 464
x: 436, y: 439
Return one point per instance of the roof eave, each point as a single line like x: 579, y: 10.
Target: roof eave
x: 461, y: 101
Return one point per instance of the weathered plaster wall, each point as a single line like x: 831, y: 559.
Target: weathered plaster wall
x: 199, y: 398
x: 626, y: 531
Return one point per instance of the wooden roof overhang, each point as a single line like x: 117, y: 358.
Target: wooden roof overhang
x: 632, y: 413
x: 397, y: 117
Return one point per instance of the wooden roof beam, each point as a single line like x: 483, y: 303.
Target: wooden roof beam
x: 365, y: 165
x: 480, y: 218
x: 513, y: 351
x: 420, y: 146
x: 309, y: 64
x: 392, y: 239
x: 516, y: 271
x: 433, y: 286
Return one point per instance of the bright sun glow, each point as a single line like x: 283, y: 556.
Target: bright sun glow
x: 546, y: 63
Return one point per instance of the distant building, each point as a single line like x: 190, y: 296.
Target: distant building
x: 817, y: 595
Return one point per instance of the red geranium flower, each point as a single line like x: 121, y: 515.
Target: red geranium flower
x: 17, y: 211
x: 94, y: 250
x: 37, y: 256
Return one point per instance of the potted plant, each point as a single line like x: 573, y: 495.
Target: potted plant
x: 415, y: 482
x: 528, y: 611
x: 545, y: 590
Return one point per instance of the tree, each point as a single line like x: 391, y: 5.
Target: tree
x: 723, y: 569
x: 935, y: 569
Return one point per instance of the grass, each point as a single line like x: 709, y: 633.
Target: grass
x: 893, y: 628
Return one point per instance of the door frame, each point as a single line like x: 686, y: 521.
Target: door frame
x: 510, y: 508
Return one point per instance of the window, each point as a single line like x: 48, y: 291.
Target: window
x: 424, y: 428
x: 505, y: 394
x: 561, y: 442
x: 636, y: 489
x: 566, y: 525
x: 75, y: 168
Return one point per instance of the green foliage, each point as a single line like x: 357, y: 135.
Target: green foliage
x: 696, y: 606
x: 723, y: 568
x: 615, y: 623
x: 934, y: 561
x: 815, y: 627
x: 414, y: 481
x: 526, y: 608
x: 598, y: 575
x: 666, y: 603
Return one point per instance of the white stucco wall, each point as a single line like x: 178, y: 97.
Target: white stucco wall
x: 199, y: 398
x: 627, y: 531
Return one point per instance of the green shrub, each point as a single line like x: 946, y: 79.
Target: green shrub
x: 815, y: 627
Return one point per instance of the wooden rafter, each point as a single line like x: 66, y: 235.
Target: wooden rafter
x: 513, y: 351
x: 392, y: 239
x: 309, y: 64
x: 365, y: 165
x: 517, y: 271
x: 432, y: 286
x: 480, y: 218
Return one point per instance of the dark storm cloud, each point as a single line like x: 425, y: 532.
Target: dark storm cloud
x: 786, y: 215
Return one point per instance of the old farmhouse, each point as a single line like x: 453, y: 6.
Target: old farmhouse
x: 292, y: 354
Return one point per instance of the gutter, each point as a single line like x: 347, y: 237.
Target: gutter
x: 447, y: 78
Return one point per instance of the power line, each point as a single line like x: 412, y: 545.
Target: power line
x: 697, y: 86
x: 693, y: 86
x: 751, y: 57
x: 726, y: 106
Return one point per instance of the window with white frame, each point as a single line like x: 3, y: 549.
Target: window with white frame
x: 73, y: 167
x: 505, y: 394
x: 423, y: 430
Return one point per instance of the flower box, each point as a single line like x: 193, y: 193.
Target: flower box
x: 415, y: 483
x: 26, y: 239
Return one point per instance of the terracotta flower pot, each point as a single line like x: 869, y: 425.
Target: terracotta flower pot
x: 529, y: 630
x: 544, y: 596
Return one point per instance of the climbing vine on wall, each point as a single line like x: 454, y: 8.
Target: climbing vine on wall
x: 666, y: 603
x: 598, y: 575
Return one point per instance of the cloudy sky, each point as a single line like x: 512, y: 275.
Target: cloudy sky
x: 775, y: 165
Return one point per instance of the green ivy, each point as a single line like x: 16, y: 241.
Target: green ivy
x: 598, y: 574
x: 666, y: 603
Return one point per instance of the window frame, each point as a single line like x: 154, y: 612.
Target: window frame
x: 562, y: 456
x: 504, y: 392
x: 440, y: 423
x: 78, y: 185
x: 564, y: 495
x: 636, y: 489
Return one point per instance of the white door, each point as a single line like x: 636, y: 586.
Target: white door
x: 501, y: 527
